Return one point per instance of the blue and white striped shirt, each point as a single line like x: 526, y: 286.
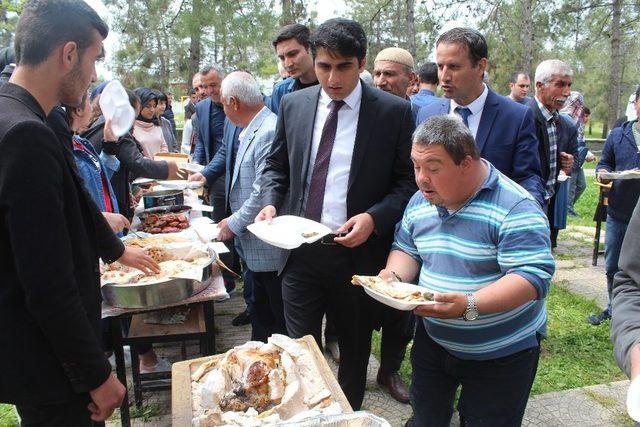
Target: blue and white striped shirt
x: 500, y: 230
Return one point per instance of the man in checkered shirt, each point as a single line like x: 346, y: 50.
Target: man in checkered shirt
x: 557, y: 135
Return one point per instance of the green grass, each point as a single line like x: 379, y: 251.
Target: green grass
x: 596, y: 130
x: 7, y: 416
x: 145, y: 412
x: 586, y: 205
x: 575, y: 354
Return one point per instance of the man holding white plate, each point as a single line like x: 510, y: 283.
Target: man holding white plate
x: 481, y: 243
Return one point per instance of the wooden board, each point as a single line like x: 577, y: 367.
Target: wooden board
x: 181, y: 404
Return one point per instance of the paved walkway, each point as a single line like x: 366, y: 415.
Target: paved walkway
x: 600, y: 405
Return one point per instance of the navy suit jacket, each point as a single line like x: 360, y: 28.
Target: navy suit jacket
x: 506, y: 137
x: 223, y: 159
x: 208, y: 140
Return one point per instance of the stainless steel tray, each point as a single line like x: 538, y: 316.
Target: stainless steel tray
x: 157, y: 294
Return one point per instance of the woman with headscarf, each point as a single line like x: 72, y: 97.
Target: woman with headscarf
x: 575, y: 109
x: 146, y: 129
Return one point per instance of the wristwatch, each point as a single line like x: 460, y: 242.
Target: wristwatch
x: 471, y: 313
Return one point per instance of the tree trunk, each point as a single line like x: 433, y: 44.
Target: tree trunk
x: 6, y: 34
x: 287, y: 16
x: 613, y: 96
x: 526, y: 61
x: 411, y: 28
x: 195, y: 46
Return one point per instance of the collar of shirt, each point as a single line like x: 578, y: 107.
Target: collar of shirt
x: 352, y: 100
x: 243, y: 132
x: 548, y: 115
x: 15, y: 91
x: 425, y: 92
x: 476, y: 106
x: 490, y: 182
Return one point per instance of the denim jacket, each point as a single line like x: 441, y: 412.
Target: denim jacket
x: 90, y: 166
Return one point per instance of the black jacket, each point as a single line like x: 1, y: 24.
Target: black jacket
x: 132, y: 164
x: 566, y: 140
x: 381, y: 179
x: 49, y: 277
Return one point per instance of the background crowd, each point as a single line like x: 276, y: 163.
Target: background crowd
x: 463, y: 193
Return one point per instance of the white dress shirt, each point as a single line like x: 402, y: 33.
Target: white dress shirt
x: 476, y: 108
x: 334, y: 207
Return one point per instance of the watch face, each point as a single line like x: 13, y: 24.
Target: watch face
x: 471, y: 314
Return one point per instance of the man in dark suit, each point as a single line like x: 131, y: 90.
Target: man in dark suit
x: 503, y: 130
x: 340, y: 157
x: 55, y: 370
x: 557, y: 134
x: 209, y: 134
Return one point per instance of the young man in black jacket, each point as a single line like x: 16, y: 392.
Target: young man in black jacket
x: 55, y: 372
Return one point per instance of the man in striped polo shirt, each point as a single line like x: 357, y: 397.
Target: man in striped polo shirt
x: 481, y: 242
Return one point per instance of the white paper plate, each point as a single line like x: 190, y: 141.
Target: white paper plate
x: 139, y: 181
x: 287, y: 231
x: 629, y: 174
x: 191, y: 167
x: 180, y: 184
x: 395, y: 303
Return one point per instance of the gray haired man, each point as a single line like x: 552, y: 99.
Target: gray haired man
x: 244, y: 107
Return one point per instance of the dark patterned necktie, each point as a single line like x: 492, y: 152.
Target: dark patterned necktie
x: 464, y: 112
x: 321, y: 165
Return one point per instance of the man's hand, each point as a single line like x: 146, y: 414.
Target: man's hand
x: 197, y: 177
x: 449, y: 306
x: 566, y: 162
x: 138, y: 258
x: 175, y: 172
x: 225, y: 232
x: 590, y: 157
x: 106, y: 398
x: 266, y: 214
x: 117, y: 222
x: 387, y: 275
x: 361, y: 226
x: 108, y: 135
x: 602, y: 180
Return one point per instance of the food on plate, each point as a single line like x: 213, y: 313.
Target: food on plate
x: 170, y: 267
x: 152, y: 241
x: 310, y: 234
x: 257, y: 383
x: 380, y: 285
x: 156, y: 223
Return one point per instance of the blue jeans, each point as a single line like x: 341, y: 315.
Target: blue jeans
x: 612, y: 245
x: 577, y: 185
x: 494, y: 392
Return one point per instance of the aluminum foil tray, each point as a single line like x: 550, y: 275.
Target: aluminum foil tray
x: 157, y: 294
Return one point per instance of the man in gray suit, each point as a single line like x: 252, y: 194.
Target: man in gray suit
x: 244, y: 107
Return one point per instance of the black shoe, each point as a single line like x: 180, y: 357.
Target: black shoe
x: 243, y: 318
x: 230, y: 287
x: 596, y: 320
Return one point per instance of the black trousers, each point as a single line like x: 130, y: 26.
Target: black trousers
x: 267, y: 315
x: 317, y: 279
x: 494, y: 392
x: 74, y: 413
x: 398, y: 328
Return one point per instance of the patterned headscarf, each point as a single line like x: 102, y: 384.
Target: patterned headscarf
x: 574, y: 106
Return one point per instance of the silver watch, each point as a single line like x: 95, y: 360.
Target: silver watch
x: 471, y: 313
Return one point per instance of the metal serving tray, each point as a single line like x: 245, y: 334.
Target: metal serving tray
x: 159, y: 293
